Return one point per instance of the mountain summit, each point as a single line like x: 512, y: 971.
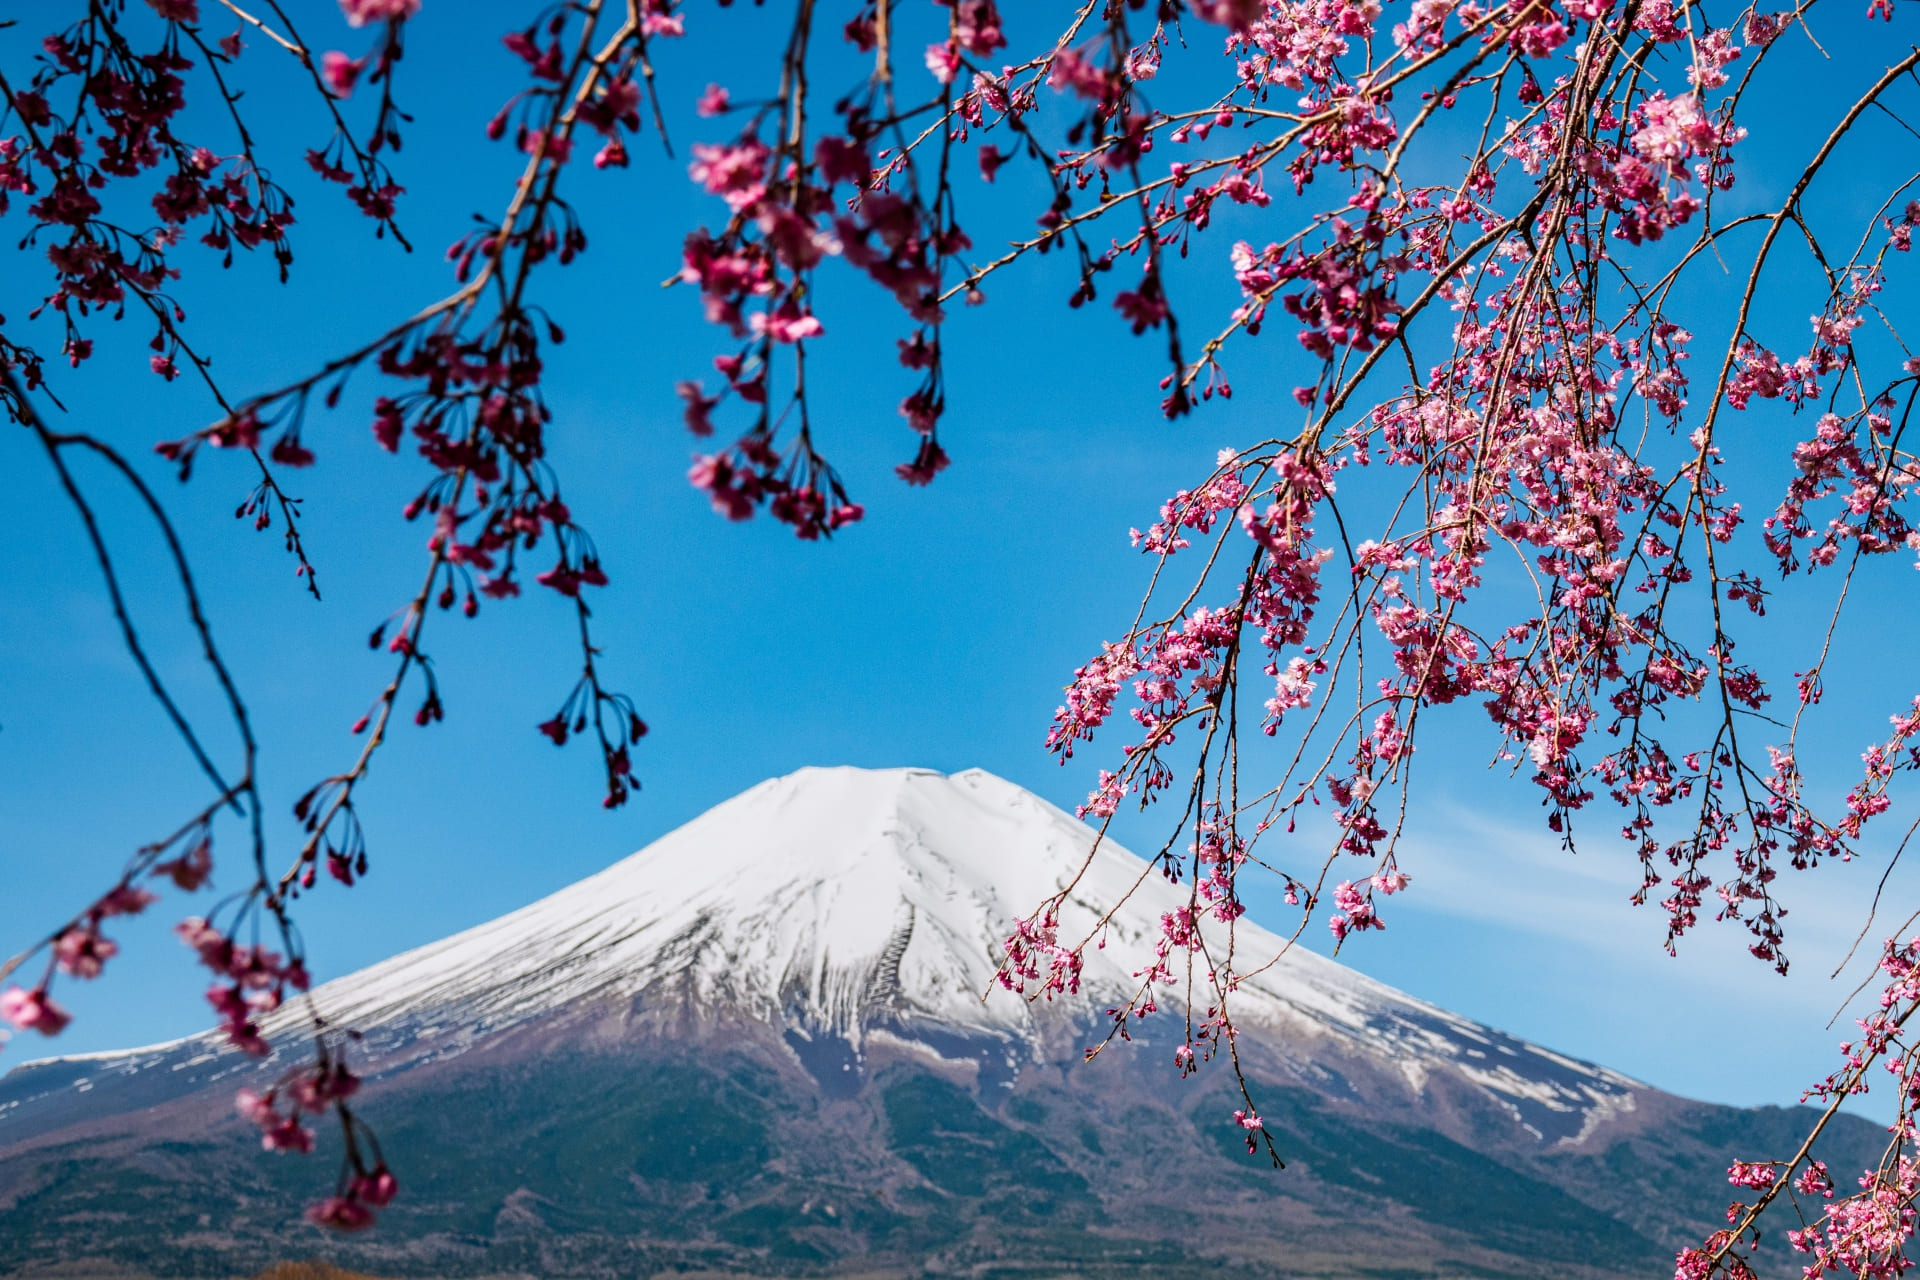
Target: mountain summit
x: 790, y: 1001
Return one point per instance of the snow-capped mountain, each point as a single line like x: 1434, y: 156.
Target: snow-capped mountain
x: 836, y: 904
x: 822, y: 949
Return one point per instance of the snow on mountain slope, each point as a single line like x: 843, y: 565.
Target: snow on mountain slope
x: 843, y: 904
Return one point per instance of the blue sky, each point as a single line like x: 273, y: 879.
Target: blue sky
x: 936, y: 633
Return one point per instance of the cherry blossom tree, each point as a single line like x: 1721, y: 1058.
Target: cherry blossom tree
x: 1494, y: 229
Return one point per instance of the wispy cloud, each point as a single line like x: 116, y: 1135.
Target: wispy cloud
x: 1480, y: 867
x: 1714, y: 1022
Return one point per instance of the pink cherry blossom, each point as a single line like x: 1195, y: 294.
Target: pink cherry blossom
x: 341, y: 72
x: 32, y: 1010
x: 736, y: 172
x: 341, y: 1213
x: 361, y: 12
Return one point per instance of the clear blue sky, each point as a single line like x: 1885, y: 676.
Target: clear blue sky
x: 936, y: 633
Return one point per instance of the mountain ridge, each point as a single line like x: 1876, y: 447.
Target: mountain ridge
x: 777, y: 1005
x: 879, y: 929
